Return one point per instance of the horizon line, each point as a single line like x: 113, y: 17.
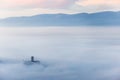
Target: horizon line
x: 59, y: 13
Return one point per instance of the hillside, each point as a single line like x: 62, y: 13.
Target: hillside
x: 82, y: 19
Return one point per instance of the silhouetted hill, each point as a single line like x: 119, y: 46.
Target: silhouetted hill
x: 107, y: 18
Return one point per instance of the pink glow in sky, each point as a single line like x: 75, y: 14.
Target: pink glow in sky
x: 55, y: 3
x: 36, y: 3
x: 31, y: 7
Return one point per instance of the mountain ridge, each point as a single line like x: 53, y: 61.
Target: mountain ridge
x: 107, y: 18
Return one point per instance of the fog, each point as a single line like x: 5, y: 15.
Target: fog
x: 65, y: 53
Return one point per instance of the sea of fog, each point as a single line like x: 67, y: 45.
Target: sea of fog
x: 65, y: 53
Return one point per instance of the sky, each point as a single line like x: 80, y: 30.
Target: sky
x: 9, y: 8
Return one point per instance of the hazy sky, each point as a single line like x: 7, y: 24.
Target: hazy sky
x: 10, y: 8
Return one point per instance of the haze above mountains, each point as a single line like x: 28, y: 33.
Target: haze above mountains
x: 107, y: 18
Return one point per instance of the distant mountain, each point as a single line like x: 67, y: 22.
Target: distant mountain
x: 107, y: 18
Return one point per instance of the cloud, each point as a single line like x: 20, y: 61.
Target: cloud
x: 98, y: 2
x: 55, y: 3
x: 71, y: 53
x: 10, y: 8
x: 36, y: 3
x: 92, y: 6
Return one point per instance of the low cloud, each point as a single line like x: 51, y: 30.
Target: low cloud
x: 59, y: 70
x: 69, y: 53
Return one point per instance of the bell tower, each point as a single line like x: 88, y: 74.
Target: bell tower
x: 32, y: 58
